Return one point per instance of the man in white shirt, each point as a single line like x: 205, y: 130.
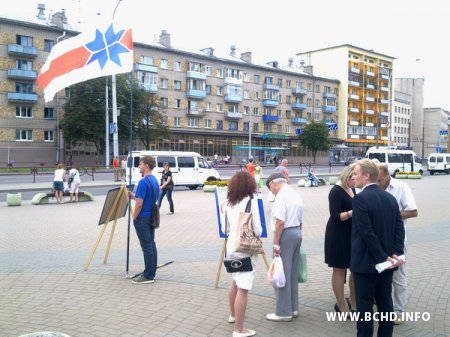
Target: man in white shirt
x: 408, y: 209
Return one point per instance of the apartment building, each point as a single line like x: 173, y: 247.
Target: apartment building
x: 366, y: 92
x: 401, y: 120
x: 220, y: 104
x: 435, y: 130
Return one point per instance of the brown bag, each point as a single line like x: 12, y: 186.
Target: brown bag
x: 247, y: 241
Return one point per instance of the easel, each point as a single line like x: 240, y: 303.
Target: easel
x: 219, y: 269
x: 113, y: 214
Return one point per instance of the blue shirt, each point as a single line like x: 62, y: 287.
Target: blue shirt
x: 144, y: 192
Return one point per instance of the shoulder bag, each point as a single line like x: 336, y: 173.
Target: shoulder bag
x: 155, y: 210
x: 235, y: 265
x: 247, y: 241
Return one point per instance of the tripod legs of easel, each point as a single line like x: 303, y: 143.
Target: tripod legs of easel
x: 219, y: 268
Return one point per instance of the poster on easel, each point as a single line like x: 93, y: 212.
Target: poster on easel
x: 114, y: 208
x: 221, y: 201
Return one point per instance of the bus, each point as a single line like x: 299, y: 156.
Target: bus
x: 397, y: 160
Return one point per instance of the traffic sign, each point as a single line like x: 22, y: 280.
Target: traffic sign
x: 438, y: 149
x: 443, y: 132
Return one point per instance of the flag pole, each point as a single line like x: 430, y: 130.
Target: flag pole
x: 130, y: 165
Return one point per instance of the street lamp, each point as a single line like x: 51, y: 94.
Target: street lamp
x: 250, y: 135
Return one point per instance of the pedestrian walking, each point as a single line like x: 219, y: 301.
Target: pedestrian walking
x: 166, y: 187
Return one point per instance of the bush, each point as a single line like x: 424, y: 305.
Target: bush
x: 220, y: 183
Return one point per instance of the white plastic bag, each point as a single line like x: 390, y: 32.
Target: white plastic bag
x: 275, y: 274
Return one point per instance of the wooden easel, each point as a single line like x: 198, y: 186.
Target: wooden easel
x: 113, y: 214
x: 219, y: 269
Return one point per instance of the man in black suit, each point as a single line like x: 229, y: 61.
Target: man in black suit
x: 377, y: 236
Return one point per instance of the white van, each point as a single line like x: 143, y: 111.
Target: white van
x: 188, y: 168
x: 439, y: 162
x: 397, y: 160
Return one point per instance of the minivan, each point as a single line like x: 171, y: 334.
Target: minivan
x: 188, y: 169
x: 439, y: 162
x: 397, y: 160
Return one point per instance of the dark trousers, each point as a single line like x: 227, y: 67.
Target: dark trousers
x: 167, y: 191
x: 146, y: 234
x: 370, y: 287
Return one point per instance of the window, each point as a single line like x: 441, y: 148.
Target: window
x: 186, y: 162
x: 288, y: 129
x: 208, y: 106
x: 309, y: 102
x: 267, y: 128
x: 246, y: 126
x: 255, y: 127
x: 233, y: 126
x: 48, y: 136
x: 24, y: 65
x: 280, y: 82
x: 24, y: 88
x: 279, y: 128
x: 177, y: 85
x: 208, y: 70
x: 208, y: 89
x: 220, y: 91
x: 208, y: 123
x: 317, y: 87
x: 164, y: 83
x: 246, y: 110
x: 246, y: 77
x: 309, y: 86
x: 234, y: 73
x: 219, y: 107
x: 233, y: 108
x: 24, y: 135
x: 202, y: 163
x: 177, y: 103
x: 219, y: 125
x: 164, y: 64
x: 268, y: 80
x: 256, y: 79
x: 256, y: 95
x: 26, y: 41
x: 193, y: 122
x: 165, y: 120
x: 280, y: 113
x: 317, y: 103
x: 162, y: 160
x: 48, y: 45
x: 49, y: 113
x: 288, y: 83
x: 246, y: 94
x: 255, y: 112
x: 288, y: 113
x: 288, y: 99
x: 176, y: 121
x: 24, y: 112
x: 146, y: 60
x: 219, y: 73
x: 163, y: 102
x: 177, y: 66
x: 146, y: 78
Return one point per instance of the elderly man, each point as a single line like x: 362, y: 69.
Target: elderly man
x: 408, y: 209
x: 286, y: 220
x: 377, y: 236
x: 282, y: 168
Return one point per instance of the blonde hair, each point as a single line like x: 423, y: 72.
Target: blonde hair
x: 346, y: 175
x: 369, y: 167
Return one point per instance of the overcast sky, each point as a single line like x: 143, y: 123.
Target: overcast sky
x: 414, y: 32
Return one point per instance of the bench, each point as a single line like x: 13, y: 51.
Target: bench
x: 44, y: 198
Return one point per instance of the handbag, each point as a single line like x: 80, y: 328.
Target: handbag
x: 237, y: 265
x: 275, y: 274
x: 302, y: 267
x: 155, y: 210
x: 247, y: 241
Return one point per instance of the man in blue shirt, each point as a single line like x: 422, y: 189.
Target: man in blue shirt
x: 146, y: 196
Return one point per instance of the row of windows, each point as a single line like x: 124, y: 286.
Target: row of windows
x: 402, y: 110
x: 400, y: 139
x: 399, y: 129
x: 401, y: 120
x: 25, y: 111
x: 27, y: 135
x: 27, y: 41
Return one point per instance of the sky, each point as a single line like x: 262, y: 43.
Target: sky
x: 411, y: 31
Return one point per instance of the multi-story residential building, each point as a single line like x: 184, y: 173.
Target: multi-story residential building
x: 212, y: 103
x: 414, y: 88
x: 435, y: 130
x: 401, y: 119
x: 365, y: 93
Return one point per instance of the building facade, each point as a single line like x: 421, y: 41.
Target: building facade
x: 435, y: 130
x: 366, y: 92
x: 212, y: 104
x: 401, y: 120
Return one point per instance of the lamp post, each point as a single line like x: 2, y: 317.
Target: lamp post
x: 250, y: 135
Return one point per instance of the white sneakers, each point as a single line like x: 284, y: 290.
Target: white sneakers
x: 274, y: 318
x: 231, y: 319
x: 244, y: 334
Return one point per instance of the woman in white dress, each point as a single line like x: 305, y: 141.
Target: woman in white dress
x: 241, y: 189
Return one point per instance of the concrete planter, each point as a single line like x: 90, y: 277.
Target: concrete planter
x: 414, y: 176
x: 209, y: 188
x: 14, y: 199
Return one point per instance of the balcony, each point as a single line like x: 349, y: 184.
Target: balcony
x: 384, y: 77
x: 271, y: 87
x: 370, y: 73
x: 22, y: 97
x: 233, y: 98
x: 153, y: 88
x: 355, y: 110
x: 370, y: 99
x: 299, y: 91
x: 354, y: 123
x: 355, y: 70
x: 146, y: 67
x: 19, y: 50
x: 328, y: 109
x: 299, y: 106
x: 370, y: 86
x: 369, y: 112
x: 195, y: 112
x: 329, y: 95
x: 354, y: 83
x: 270, y: 102
x: 383, y: 126
x: 233, y: 80
x: 298, y: 120
x: 195, y: 93
x: 196, y: 75
x: 233, y: 115
x: 22, y: 74
x: 369, y: 124
x: 384, y: 101
x: 270, y: 119
x: 384, y: 113
x: 354, y: 97
x: 385, y: 89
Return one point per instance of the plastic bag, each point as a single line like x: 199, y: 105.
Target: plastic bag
x: 275, y: 274
x: 302, y: 267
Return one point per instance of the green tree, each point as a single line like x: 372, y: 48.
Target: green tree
x: 315, y: 138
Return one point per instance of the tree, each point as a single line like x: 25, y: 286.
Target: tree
x: 315, y: 138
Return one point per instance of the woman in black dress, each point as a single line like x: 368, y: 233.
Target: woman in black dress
x: 338, y: 239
